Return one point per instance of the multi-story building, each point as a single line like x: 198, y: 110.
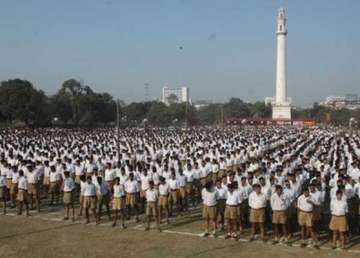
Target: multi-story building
x: 175, y: 95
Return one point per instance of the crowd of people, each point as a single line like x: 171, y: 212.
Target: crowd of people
x: 283, y: 178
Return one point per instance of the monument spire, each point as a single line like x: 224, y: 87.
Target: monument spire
x: 281, y: 105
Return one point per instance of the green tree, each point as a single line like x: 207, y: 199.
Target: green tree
x: 159, y: 115
x: 236, y: 108
x: 19, y: 100
x: 260, y: 109
x: 210, y: 114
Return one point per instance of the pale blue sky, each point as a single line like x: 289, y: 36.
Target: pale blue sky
x: 228, y: 46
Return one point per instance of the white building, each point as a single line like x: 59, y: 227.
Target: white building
x: 175, y: 95
x: 350, y: 101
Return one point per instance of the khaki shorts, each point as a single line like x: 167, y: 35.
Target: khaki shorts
x: 279, y: 217
x: 229, y: 168
x: 68, y: 198
x: 163, y: 201
x: 119, y: 203
x: 183, y: 192
x: 81, y: 199
x: 189, y: 188
x: 214, y: 177
x: 142, y: 193
x: 131, y: 199
x: 292, y: 210
x: 22, y: 196
x: 221, y: 173
x: 2, y: 192
x: 209, y: 212
x: 305, y: 219
x: 13, y: 189
x: 54, y: 187
x: 221, y: 205
x: 103, y: 199
x: 151, y: 209
x: 33, y: 189
x: 90, y: 202
x: 316, y: 213
x: 232, y: 212
x: 174, y: 196
x: 8, y: 183
x: 46, y: 180
x: 257, y: 215
x: 338, y: 223
x: 203, y: 181
x: 77, y: 180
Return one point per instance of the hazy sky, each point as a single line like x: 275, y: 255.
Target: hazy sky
x: 220, y: 49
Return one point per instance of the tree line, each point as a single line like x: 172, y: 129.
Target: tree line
x: 75, y: 104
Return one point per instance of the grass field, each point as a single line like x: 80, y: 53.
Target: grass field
x: 46, y: 235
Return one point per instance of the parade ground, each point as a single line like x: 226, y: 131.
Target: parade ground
x: 47, y: 235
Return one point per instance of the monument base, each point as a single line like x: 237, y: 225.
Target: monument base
x: 281, y: 112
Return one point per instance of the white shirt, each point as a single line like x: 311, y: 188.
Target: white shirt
x: 279, y: 203
x: 182, y: 180
x: 2, y: 181
x: 22, y: 183
x: 32, y: 177
x: 233, y: 198
x: 109, y: 175
x: 152, y: 195
x: 174, y: 184
x: 257, y: 201
x: 89, y: 189
x: 189, y: 175
x: 338, y: 208
x: 15, y: 177
x: 222, y: 191
x: 164, y: 189
x: 69, y: 184
x: 209, y: 198
x: 54, y: 177
x: 145, y: 181
x: 119, y: 191
x: 303, y: 203
x: 131, y: 186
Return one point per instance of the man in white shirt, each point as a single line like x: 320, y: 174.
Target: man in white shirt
x: 338, y: 223
x: 103, y: 194
x: 210, y: 198
x: 90, y: 199
x: 183, y: 195
x: 174, y: 193
x: 22, y: 194
x: 232, y: 211
x: 279, y: 204
x: 109, y: 175
x: 222, y: 192
x: 145, y: 178
x: 14, y: 185
x: 68, y: 198
x: 152, y: 198
x: 33, y: 187
x: 163, y: 199
x: 54, y: 190
x: 257, y: 203
x: 132, y: 188
x: 119, y: 202
x: 305, y: 207
x: 3, y: 191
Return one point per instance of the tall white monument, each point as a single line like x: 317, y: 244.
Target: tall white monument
x: 281, y: 108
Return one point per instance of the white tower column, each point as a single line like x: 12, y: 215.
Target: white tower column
x: 281, y: 106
